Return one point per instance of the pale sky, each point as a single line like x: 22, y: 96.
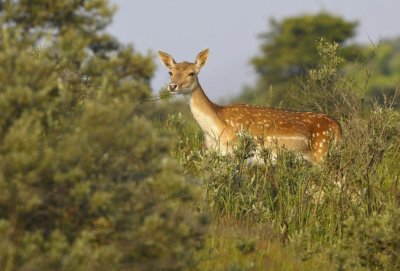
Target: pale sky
x: 230, y: 29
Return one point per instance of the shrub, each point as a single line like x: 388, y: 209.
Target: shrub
x: 370, y: 243
x: 326, y: 88
x: 86, y: 183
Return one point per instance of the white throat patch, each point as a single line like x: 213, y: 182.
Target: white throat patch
x: 206, y: 123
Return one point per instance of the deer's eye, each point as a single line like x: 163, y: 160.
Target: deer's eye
x: 170, y: 73
x: 191, y: 74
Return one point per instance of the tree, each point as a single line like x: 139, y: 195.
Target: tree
x: 86, y: 181
x: 380, y: 71
x: 289, y: 50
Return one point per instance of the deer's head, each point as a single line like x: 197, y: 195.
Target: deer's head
x: 184, y: 74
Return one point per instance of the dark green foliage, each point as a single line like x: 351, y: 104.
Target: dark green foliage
x: 104, y: 196
x: 289, y: 50
x: 290, y: 55
x: 370, y: 243
x: 86, y: 180
x: 60, y: 17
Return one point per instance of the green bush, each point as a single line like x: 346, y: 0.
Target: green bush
x: 370, y: 243
x: 326, y: 88
x: 86, y: 183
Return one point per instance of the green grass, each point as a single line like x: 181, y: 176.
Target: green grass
x: 289, y: 215
x: 240, y: 246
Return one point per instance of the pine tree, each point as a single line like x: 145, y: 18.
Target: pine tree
x: 86, y: 181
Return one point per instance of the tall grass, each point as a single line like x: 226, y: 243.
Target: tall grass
x: 318, y: 212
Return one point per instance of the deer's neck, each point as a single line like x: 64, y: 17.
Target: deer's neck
x: 206, y: 113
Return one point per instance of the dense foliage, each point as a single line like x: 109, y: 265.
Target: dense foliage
x: 89, y: 168
x: 289, y: 51
x: 380, y: 72
x: 337, y: 216
x: 86, y: 180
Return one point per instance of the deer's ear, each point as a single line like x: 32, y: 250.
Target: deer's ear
x: 201, y: 59
x: 168, y: 60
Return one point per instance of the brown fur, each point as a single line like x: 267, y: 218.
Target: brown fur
x: 308, y: 133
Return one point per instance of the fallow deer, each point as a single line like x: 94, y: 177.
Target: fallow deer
x: 307, y: 133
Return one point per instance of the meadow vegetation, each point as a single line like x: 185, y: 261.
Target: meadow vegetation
x: 289, y: 215
x: 95, y: 174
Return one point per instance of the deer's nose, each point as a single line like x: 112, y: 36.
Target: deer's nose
x: 172, y: 86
